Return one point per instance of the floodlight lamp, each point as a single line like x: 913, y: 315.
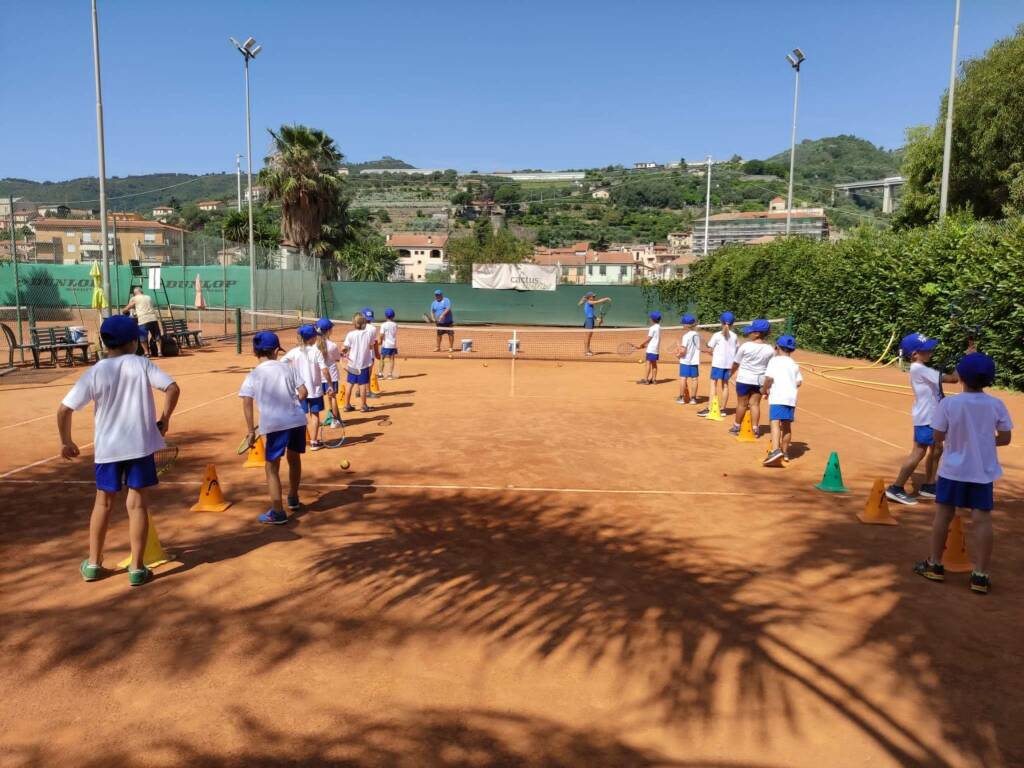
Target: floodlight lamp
x: 255, y: 50
x: 249, y: 42
x: 799, y: 54
x: 792, y: 62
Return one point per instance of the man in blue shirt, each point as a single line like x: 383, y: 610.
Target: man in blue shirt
x: 441, y: 312
x: 590, y: 319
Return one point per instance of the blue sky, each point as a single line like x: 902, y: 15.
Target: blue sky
x: 471, y: 85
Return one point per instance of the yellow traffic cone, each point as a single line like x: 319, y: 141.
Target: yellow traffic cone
x: 374, y: 383
x: 714, y: 412
x: 255, y: 458
x: 211, y: 499
x: 954, y: 556
x: 153, y: 555
x: 746, y: 434
x: 876, y: 510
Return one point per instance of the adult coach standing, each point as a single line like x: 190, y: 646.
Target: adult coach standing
x: 441, y: 312
x: 588, y: 302
x: 147, y: 317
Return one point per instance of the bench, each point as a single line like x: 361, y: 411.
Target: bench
x: 181, y: 332
x: 57, y: 338
x: 13, y: 346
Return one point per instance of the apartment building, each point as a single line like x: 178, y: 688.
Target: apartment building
x: 572, y: 260
x: 418, y: 254
x: 77, y: 241
x: 728, y: 228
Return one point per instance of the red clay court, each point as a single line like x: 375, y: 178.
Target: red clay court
x: 551, y: 568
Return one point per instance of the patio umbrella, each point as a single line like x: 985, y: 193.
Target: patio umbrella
x: 99, y: 299
x: 200, y: 301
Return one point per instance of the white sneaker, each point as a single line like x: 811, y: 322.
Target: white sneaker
x: 693, y: 401
x: 336, y: 424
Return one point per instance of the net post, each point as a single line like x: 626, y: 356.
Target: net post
x: 238, y: 330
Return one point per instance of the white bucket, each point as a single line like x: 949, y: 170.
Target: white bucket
x: 513, y: 346
x: 467, y: 345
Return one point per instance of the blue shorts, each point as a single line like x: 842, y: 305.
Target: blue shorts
x: 385, y: 352
x: 747, y: 389
x: 782, y: 413
x: 720, y: 374
x: 323, y: 386
x: 957, y: 493
x: 652, y: 357
x: 588, y: 322
x: 313, y: 404
x: 363, y: 377
x: 135, y: 473
x: 687, y: 371
x: 924, y: 436
x: 293, y: 439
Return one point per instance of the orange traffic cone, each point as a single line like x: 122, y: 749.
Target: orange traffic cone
x: 876, y: 510
x: 211, y: 499
x: 374, y: 383
x: 255, y: 458
x: 954, y: 556
x: 746, y: 434
x: 153, y: 555
x: 714, y: 412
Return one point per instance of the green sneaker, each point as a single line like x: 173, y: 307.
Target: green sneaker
x: 91, y: 572
x: 139, y: 577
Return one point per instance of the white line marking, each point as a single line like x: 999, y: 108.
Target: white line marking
x: 852, y: 429
x: 29, y: 421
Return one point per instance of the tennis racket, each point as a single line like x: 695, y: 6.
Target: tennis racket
x: 428, y: 319
x: 602, y: 311
x: 165, y: 458
x: 626, y: 348
x: 337, y: 435
x: 245, y: 445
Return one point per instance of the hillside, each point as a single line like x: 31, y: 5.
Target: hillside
x: 836, y: 159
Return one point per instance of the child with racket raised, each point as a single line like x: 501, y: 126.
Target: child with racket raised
x: 689, y: 360
x: 749, y: 366
x: 782, y: 380
x: 927, y: 385
x: 277, y: 389
x: 653, y: 344
x: 969, y: 427
x: 358, y: 348
x: 332, y: 355
x: 388, y: 344
x: 127, y: 434
x: 722, y: 346
x: 311, y: 367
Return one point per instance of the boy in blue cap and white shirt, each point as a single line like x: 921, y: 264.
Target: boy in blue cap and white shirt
x: 969, y: 427
x: 689, y: 360
x: 312, y: 369
x: 927, y: 385
x: 388, y: 344
x: 127, y: 434
x: 749, y: 365
x: 722, y: 346
x: 276, y: 388
x: 374, y: 388
x: 782, y: 379
x: 653, y: 343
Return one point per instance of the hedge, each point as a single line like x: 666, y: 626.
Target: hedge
x: 950, y: 280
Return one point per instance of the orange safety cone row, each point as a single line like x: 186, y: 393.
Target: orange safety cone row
x: 876, y: 510
x: 255, y: 458
x: 954, y: 556
x: 714, y: 411
x: 153, y: 555
x: 211, y: 498
x: 374, y: 382
x: 746, y: 434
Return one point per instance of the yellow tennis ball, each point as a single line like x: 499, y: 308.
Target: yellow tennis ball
x: 344, y: 464
x: 485, y: 365
x: 449, y: 357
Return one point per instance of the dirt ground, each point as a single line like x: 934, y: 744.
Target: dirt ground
x: 540, y: 566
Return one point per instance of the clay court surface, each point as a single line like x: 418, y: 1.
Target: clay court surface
x: 560, y: 569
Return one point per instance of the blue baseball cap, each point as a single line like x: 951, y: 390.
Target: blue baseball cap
x: 727, y: 317
x: 916, y: 342
x: 265, y: 341
x: 389, y: 312
x: 118, y: 330
x: 786, y: 342
x: 438, y: 292
x: 655, y: 316
x: 977, y: 370
x: 368, y: 313
x: 758, y: 326
x: 307, y: 332
x: 688, y: 319
x: 324, y: 324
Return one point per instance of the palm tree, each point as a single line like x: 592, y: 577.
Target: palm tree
x: 369, y: 261
x: 301, y: 175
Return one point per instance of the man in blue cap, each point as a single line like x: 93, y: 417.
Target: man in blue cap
x: 441, y: 312
x: 127, y: 434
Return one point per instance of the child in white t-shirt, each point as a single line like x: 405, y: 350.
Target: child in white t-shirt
x: 970, y: 426
x: 358, y: 347
x: 653, y: 347
x: 782, y: 379
x: 927, y: 385
x: 332, y: 356
x: 749, y: 365
x: 689, y: 360
x: 388, y: 345
x: 722, y: 346
x: 276, y: 389
x: 127, y: 434
x: 373, y: 390
x: 312, y: 370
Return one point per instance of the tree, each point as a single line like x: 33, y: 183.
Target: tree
x: 461, y: 198
x: 383, y: 216
x: 507, y: 193
x: 485, y: 246
x: 234, y: 226
x: 368, y: 261
x: 301, y: 174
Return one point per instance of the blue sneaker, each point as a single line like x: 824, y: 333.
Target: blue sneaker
x: 270, y: 517
x: 293, y: 503
x: 927, y: 491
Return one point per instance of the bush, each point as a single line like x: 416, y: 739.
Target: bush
x: 849, y: 297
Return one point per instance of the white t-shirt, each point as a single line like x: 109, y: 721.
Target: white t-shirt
x: 752, y: 357
x: 272, y: 385
x: 926, y: 383
x: 390, y: 335
x: 690, y: 345
x: 309, y: 365
x: 333, y: 356
x: 786, y: 378
x: 970, y: 421
x: 654, y: 334
x: 125, y: 419
x: 723, y: 350
x: 360, y: 347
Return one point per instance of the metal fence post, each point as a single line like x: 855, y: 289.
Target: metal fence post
x: 17, y: 286
x: 238, y: 330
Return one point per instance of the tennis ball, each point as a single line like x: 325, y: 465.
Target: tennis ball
x: 449, y: 357
x: 344, y: 464
x: 485, y: 365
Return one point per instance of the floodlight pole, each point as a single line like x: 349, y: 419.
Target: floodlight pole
x: 795, y: 63
x: 105, y: 265
x: 947, y: 148
x: 249, y: 49
x: 707, y: 209
x: 238, y: 180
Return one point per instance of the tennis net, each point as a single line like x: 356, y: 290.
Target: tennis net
x: 502, y: 342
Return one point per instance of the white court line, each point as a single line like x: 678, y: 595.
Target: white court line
x: 845, y: 426
x: 86, y: 445
x: 29, y: 421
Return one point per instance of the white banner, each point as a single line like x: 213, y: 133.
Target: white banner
x: 154, y: 279
x: 518, y: 277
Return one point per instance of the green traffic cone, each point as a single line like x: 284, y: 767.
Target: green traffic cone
x: 832, y: 480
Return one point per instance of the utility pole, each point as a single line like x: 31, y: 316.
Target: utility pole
x: 17, y: 285
x: 238, y: 179
x: 707, y: 209
x: 795, y: 59
x: 105, y: 266
x: 249, y: 50
x: 947, y: 148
